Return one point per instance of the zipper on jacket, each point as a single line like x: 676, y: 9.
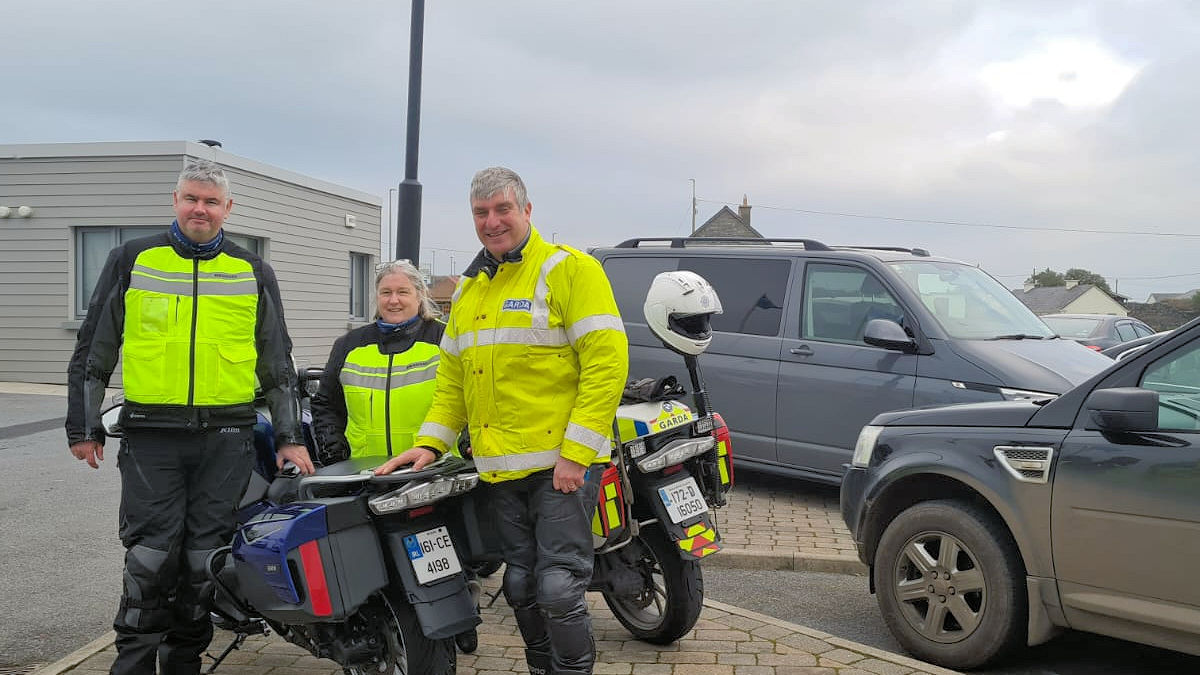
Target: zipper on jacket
x: 387, y: 405
x: 192, y: 347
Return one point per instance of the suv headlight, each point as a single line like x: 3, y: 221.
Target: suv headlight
x: 1024, y: 394
x: 865, y: 446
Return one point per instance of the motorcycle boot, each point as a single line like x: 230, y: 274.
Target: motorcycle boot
x: 144, y: 613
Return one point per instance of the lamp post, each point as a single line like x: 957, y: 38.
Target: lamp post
x: 408, y: 206
x: 693, y: 180
x: 391, y: 225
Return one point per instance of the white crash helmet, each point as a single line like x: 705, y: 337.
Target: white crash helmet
x: 678, y: 308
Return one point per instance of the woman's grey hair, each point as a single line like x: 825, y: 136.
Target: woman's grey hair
x: 494, y: 180
x: 428, y: 308
x: 203, y: 171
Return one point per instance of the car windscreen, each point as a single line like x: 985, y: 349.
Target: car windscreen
x: 1072, y: 326
x: 968, y: 303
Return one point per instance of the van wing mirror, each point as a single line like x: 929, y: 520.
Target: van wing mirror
x: 1122, y: 409
x: 888, y: 334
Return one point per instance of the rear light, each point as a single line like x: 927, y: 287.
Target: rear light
x: 314, y: 578
x: 724, y: 451
x: 1093, y: 347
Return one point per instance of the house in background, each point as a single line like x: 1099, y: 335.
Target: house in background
x: 726, y: 223
x: 70, y: 203
x: 442, y: 290
x: 1073, y: 298
x: 1159, y: 297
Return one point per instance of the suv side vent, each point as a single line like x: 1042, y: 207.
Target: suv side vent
x: 1026, y: 463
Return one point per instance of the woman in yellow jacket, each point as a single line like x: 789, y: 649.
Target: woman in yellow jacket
x: 379, y: 380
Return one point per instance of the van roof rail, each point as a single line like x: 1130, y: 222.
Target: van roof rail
x: 681, y: 242
x: 899, y: 249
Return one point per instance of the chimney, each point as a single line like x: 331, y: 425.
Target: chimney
x: 744, y: 211
x: 1072, y: 283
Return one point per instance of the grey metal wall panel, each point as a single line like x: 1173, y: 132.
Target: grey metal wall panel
x: 301, y: 222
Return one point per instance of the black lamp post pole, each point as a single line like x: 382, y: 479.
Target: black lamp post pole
x: 408, y: 222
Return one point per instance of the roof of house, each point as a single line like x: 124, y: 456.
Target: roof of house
x: 726, y: 223
x: 1159, y: 297
x: 1051, y: 299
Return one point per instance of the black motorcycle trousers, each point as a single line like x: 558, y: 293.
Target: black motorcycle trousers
x: 546, y: 536
x: 179, y: 492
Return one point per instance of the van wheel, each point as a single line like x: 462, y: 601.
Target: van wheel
x: 951, y: 585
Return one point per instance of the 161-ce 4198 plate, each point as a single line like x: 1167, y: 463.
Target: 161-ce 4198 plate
x: 432, y: 555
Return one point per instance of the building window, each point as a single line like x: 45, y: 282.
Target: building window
x: 360, y: 286
x: 92, y: 245
x: 252, y: 244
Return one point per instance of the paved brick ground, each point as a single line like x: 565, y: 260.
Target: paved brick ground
x: 726, y: 641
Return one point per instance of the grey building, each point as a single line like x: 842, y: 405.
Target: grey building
x: 63, y: 206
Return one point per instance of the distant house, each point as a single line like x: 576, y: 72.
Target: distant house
x: 1159, y: 297
x: 726, y: 223
x: 442, y: 290
x: 69, y: 203
x: 1073, y: 298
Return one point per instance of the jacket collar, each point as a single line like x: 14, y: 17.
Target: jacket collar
x: 484, y: 261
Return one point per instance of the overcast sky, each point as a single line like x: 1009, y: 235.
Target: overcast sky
x: 1019, y: 121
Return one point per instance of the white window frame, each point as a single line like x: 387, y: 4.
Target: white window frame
x: 361, y: 270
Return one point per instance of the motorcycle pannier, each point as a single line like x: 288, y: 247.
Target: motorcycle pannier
x: 608, y: 521
x: 311, y: 561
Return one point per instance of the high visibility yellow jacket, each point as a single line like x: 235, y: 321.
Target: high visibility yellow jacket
x: 198, y: 331
x: 533, y: 362
x: 375, y: 391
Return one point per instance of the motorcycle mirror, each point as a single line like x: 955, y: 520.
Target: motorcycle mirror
x: 111, y: 421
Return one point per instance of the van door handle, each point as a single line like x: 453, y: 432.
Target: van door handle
x: 802, y: 350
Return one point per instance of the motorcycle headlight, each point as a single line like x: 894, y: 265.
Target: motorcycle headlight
x: 426, y: 492
x: 865, y: 446
x: 676, y: 452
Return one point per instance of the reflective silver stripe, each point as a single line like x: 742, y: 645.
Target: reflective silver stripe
x: 547, y: 337
x: 588, y: 438
x: 439, y: 431
x: 159, y: 274
x: 541, y: 310
x: 520, y: 462
x: 396, y: 367
x: 449, y: 345
x: 380, y: 382
x: 594, y: 322
x: 142, y: 282
x: 228, y: 288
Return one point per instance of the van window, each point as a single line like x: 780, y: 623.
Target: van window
x: 751, y: 292
x: 839, y: 301
x: 630, y: 279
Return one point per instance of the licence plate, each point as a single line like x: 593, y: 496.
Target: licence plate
x: 432, y: 555
x: 683, y: 499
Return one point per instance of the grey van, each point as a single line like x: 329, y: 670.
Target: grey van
x: 816, y: 340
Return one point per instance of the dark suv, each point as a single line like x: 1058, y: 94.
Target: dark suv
x: 991, y: 525
x: 816, y: 340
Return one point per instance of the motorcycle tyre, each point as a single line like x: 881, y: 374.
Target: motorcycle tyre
x: 413, y: 653
x: 680, y: 579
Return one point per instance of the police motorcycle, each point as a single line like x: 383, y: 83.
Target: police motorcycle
x: 654, y: 519
x: 353, y: 567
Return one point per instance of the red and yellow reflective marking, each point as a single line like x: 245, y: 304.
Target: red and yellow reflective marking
x: 608, y: 514
x: 701, y: 540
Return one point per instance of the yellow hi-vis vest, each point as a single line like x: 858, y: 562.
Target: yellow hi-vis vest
x: 534, y: 361
x: 189, y: 330
x: 387, y: 396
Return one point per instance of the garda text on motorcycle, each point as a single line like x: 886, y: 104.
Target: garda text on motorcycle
x: 653, y: 522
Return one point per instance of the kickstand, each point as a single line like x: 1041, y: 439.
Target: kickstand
x: 238, y: 639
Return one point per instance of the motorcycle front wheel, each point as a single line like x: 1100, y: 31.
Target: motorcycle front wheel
x: 406, y: 649
x: 672, y: 592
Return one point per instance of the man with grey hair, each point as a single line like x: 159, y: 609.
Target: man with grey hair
x: 200, y: 322
x: 533, y: 363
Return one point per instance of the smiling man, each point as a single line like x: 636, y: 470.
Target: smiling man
x: 533, y: 362
x: 200, y: 322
